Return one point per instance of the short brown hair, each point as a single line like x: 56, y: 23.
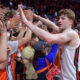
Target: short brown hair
x: 70, y: 14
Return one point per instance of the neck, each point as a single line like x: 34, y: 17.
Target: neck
x: 66, y: 29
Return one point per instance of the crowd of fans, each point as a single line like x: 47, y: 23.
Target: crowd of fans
x: 48, y: 7
x: 16, y: 30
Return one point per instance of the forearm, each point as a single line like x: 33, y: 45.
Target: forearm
x: 25, y: 39
x: 48, y: 23
x: 20, y: 35
x: 9, y: 25
x: 3, y: 65
x: 44, y: 35
x: 3, y: 46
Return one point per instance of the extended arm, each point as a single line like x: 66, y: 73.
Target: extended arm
x: 25, y: 39
x: 50, y: 38
x: 3, y: 65
x: 47, y: 22
x: 3, y: 43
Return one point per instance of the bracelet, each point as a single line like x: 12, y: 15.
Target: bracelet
x: 2, y: 34
x: 11, y: 19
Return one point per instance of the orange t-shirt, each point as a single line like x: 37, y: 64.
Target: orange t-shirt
x: 3, y: 75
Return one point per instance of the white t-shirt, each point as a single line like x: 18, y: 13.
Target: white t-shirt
x: 68, y: 69
x: 14, y: 48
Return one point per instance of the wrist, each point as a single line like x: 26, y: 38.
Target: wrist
x: 3, y: 33
x: 3, y: 30
x: 38, y: 17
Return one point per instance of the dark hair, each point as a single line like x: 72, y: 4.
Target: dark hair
x: 40, y: 44
x: 27, y: 8
x: 33, y: 35
x: 10, y: 14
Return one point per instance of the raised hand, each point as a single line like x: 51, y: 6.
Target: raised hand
x: 35, y: 16
x: 2, y: 26
x: 23, y: 18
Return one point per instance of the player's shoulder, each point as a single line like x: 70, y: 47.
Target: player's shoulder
x: 73, y: 32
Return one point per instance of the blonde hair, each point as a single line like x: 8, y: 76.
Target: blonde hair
x: 68, y: 12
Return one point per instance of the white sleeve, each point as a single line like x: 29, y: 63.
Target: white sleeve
x: 14, y: 46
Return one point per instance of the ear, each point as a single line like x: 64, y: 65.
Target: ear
x: 71, y: 22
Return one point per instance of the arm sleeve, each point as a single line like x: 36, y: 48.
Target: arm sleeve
x: 52, y: 54
x: 50, y: 57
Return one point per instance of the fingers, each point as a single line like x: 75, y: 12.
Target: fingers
x: 35, y: 16
x: 19, y: 8
x: 1, y: 24
x: 2, y: 27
